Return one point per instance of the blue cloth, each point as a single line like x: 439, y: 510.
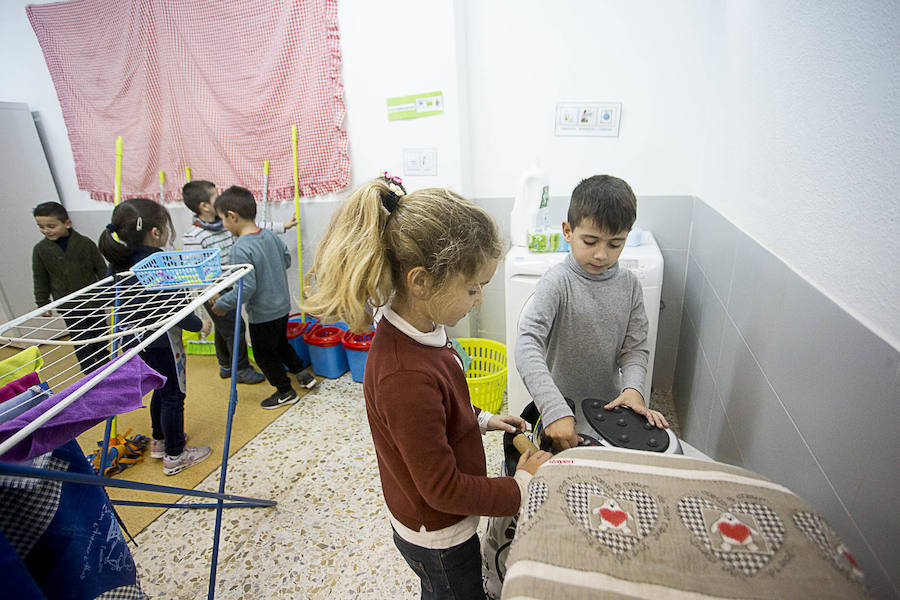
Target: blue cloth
x: 67, y: 536
x: 17, y: 405
x: 266, y: 294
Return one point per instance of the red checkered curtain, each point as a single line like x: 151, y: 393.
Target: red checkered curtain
x: 206, y: 84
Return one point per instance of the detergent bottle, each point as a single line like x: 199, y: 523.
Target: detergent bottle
x: 530, y: 213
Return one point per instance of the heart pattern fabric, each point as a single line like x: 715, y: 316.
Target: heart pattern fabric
x: 617, y: 519
x: 743, y: 537
x: 824, y: 537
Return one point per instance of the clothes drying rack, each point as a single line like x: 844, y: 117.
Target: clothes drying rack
x: 145, y: 321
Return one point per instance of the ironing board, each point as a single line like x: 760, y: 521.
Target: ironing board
x: 613, y: 523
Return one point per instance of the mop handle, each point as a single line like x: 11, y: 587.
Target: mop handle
x: 266, y: 189
x: 118, y: 193
x: 162, y: 187
x: 297, y: 215
x: 187, y: 174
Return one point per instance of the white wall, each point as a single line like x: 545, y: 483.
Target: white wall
x: 803, y: 143
x: 25, y: 78
x: 399, y: 48
x: 526, y: 56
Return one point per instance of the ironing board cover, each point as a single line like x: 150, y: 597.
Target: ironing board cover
x: 610, y: 523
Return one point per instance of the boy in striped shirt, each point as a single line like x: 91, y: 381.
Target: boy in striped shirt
x: 207, y: 231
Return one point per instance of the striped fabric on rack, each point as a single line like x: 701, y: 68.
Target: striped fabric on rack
x: 210, y: 85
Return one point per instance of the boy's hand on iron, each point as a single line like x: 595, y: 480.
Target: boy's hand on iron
x: 562, y: 432
x: 530, y: 462
x: 633, y: 400
x: 507, y: 423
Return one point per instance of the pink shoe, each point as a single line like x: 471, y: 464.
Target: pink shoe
x: 158, y: 447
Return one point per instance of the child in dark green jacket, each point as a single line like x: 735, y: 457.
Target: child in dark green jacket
x: 64, y: 262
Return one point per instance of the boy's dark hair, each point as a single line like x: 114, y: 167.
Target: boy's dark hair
x: 239, y: 200
x: 195, y: 192
x: 606, y: 200
x: 51, y: 209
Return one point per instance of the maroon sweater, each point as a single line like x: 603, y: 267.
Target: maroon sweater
x: 426, y: 435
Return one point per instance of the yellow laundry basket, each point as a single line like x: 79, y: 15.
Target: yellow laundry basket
x: 486, y: 375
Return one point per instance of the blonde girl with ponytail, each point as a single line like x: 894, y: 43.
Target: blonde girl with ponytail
x: 420, y: 260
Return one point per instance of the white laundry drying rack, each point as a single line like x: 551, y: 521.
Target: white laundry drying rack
x: 157, y: 312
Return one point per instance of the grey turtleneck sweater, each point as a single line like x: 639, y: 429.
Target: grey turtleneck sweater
x: 578, y: 332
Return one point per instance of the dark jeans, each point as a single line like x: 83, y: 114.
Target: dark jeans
x: 85, y: 328
x: 167, y: 403
x: 451, y: 573
x: 224, y: 337
x: 273, y: 352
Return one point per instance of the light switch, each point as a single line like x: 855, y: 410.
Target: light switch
x: 420, y: 161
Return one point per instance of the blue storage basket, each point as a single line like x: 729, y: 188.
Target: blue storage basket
x: 295, y: 330
x: 182, y: 269
x: 325, y: 351
x: 357, y: 345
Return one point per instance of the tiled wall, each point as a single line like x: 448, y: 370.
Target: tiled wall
x: 668, y: 217
x: 774, y: 376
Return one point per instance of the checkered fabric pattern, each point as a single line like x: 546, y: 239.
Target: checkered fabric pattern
x: 537, y: 495
x: 126, y: 592
x: 26, y: 483
x: 25, y: 514
x: 814, y: 528
x: 210, y: 85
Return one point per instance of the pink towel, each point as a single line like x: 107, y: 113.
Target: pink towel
x: 14, y: 388
x: 214, y: 86
x: 121, y: 391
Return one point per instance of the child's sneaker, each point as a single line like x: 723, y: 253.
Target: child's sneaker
x: 306, y: 379
x: 249, y: 376
x: 190, y: 456
x: 158, y: 447
x: 224, y: 372
x: 280, y: 399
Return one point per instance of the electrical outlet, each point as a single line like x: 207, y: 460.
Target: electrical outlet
x: 420, y: 161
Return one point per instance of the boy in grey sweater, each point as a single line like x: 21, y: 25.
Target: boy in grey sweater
x: 584, y: 335
x: 266, y: 294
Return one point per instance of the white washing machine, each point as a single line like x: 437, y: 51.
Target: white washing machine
x: 524, y: 269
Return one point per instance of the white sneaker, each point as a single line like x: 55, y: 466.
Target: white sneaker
x: 190, y: 456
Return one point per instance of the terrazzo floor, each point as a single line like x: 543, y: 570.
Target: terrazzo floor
x: 328, y: 537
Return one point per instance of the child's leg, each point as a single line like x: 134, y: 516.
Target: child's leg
x: 448, y: 573
x: 266, y: 340
x: 224, y: 338
x: 288, y: 354
x: 85, y: 328
x: 167, y: 403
